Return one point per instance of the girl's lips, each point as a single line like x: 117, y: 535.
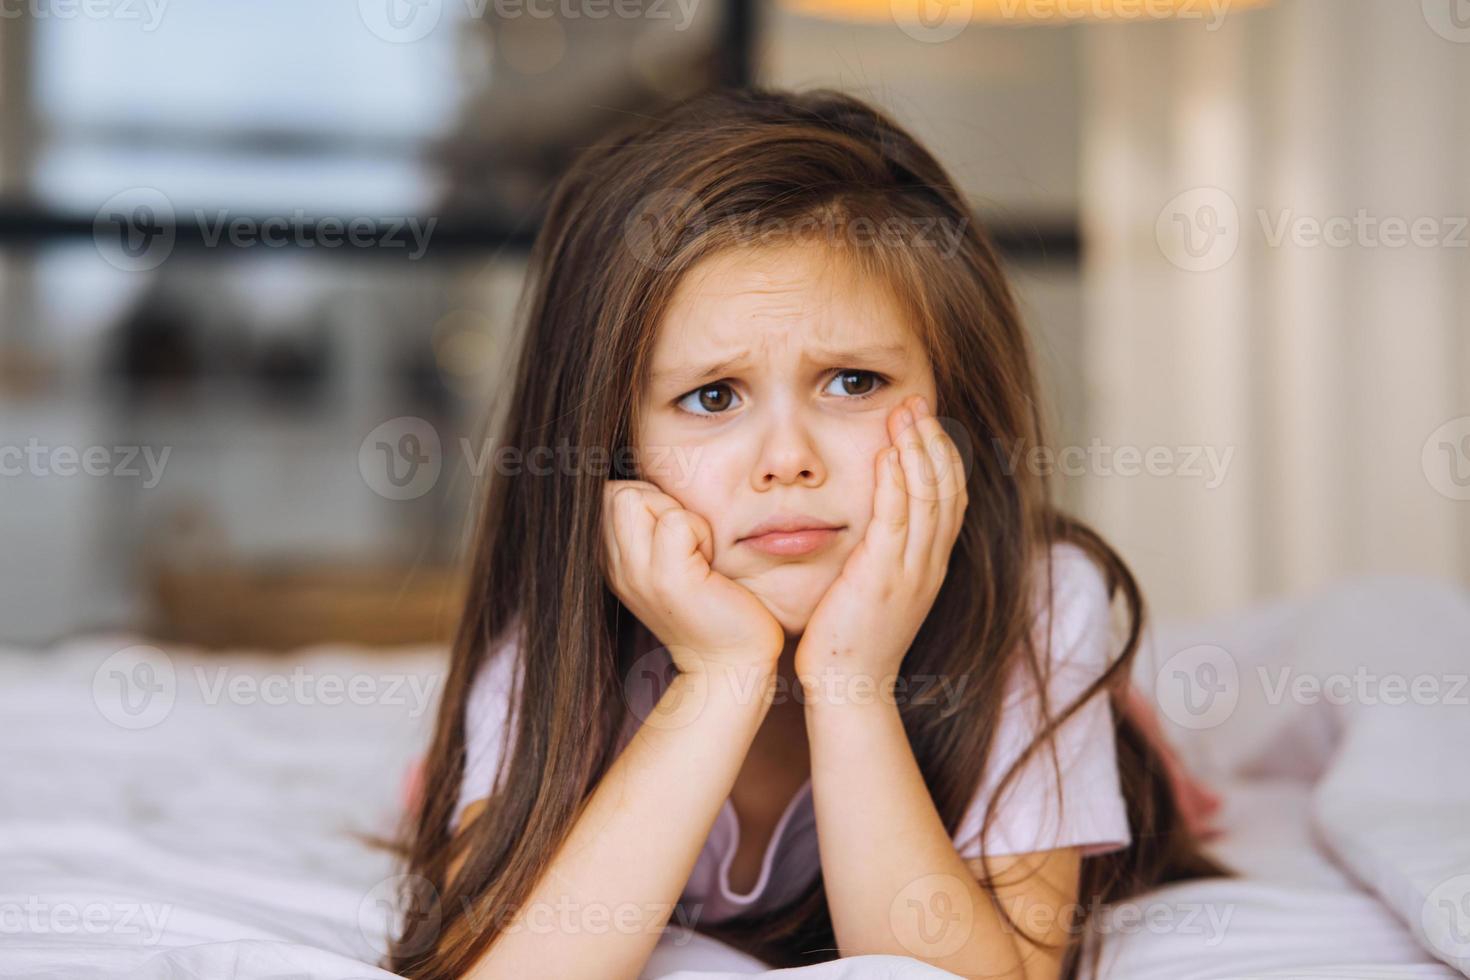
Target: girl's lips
x: 788, y: 543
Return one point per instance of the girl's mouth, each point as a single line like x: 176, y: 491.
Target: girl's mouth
x: 793, y: 543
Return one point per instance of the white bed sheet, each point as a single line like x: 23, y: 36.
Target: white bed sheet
x: 214, y: 842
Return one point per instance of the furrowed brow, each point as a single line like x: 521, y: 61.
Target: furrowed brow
x: 861, y: 354
x: 689, y: 376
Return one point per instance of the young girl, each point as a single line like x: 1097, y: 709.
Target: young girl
x: 767, y: 636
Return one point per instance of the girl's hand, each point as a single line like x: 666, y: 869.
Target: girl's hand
x: 864, y: 624
x: 657, y: 560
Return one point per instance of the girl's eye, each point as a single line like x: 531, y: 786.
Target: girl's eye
x: 856, y: 384
x: 709, y: 400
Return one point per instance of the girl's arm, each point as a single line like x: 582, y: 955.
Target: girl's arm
x: 608, y: 892
x: 895, y: 883
x: 600, y: 908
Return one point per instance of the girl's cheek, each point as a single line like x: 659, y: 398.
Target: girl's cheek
x: 691, y: 474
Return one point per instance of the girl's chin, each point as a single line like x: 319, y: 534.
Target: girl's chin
x: 791, y: 593
x: 792, y: 610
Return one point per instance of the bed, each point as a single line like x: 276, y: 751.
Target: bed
x: 173, y: 814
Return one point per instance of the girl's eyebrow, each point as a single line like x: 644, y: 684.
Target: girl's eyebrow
x: 861, y: 354
x: 691, y: 376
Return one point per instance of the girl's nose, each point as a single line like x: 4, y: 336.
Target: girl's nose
x: 788, y: 456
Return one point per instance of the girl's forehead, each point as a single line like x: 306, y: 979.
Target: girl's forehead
x: 773, y: 300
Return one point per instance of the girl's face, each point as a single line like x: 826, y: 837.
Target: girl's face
x: 772, y: 378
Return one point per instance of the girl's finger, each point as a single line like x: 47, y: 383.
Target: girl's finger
x: 679, y: 542
x: 942, y: 450
x: 612, y: 551
x: 635, y: 527
x: 923, y: 500
x: 949, y: 477
x: 888, y: 529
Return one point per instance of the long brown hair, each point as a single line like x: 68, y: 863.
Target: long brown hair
x: 722, y: 170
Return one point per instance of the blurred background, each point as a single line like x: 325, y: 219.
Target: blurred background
x: 259, y: 266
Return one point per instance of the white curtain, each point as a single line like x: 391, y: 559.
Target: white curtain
x: 1311, y: 336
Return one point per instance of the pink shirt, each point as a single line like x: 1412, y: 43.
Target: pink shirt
x: 1094, y: 817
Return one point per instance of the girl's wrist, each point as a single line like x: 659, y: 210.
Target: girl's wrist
x: 845, y: 687
x: 746, y: 684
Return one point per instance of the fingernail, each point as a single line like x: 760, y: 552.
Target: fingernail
x: 907, y: 418
x: 923, y: 405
